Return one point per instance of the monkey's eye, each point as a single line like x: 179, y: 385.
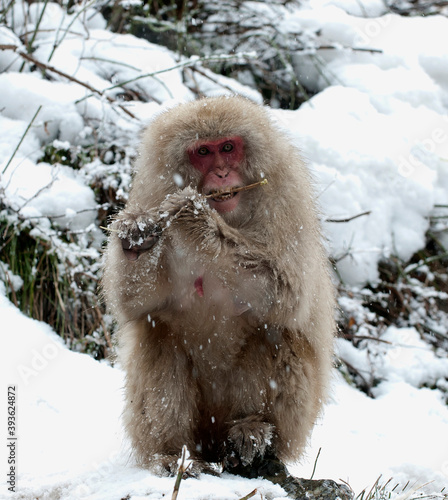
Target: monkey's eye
x: 202, y: 151
x: 227, y: 147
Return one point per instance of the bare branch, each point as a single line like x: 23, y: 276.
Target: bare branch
x: 22, y: 138
x: 250, y: 495
x: 180, y: 473
x: 315, y: 463
x: 237, y: 190
x: 348, y: 219
x: 52, y: 69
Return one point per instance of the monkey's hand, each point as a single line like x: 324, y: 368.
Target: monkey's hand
x: 190, y: 211
x: 138, y: 233
x: 186, y: 200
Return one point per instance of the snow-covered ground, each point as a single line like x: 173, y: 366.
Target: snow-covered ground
x: 70, y: 443
x: 375, y: 137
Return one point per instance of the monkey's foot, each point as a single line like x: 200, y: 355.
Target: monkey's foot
x: 168, y: 465
x: 249, y: 438
x: 267, y: 467
x: 195, y: 469
x: 274, y: 470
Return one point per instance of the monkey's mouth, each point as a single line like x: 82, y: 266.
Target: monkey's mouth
x: 220, y: 196
x: 223, y: 199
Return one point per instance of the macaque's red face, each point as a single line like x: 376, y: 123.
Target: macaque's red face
x: 219, y: 163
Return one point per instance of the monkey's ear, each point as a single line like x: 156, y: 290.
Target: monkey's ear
x: 132, y: 252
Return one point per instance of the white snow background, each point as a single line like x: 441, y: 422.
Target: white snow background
x: 376, y: 139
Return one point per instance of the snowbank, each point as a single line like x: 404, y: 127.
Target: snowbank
x: 376, y: 135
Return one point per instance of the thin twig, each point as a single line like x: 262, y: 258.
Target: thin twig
x: 11, y: 288
x: 37, y: 193
x: 413, y: 267
x: 216, y: 193
x: 367, y: 384
x: 212, y: 79
x: 315, y: 463
x: 355, y: 49
x: 60, y: 216
x: 237, y: 189
x: 347, y: 336
x: 110, y: 61
x: 376, y: 485
x: 52, y: 69
x: 67, y: 29
x: 36, y: 29
x: 180, y: 473
x: 22, y: 138
x: 348, y: 219
x: 250, y: 495
x: 109, y: 229
x: 105, y: 330
x: 189, y: 62
x: 58, y: 295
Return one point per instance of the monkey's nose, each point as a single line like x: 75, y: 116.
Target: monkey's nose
x: 222, y: 174
x: 221, y: 170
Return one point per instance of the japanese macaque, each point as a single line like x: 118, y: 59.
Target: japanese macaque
x: 223, y: 297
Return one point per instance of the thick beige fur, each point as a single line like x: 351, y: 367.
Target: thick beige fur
x: 243, y: 370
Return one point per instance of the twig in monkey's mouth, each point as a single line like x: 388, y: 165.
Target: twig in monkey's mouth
x: 229, y: 193
x: 224, y: 196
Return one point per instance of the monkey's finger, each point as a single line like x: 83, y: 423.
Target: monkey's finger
x: 132, y: 252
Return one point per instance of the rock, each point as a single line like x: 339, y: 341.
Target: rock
x: 275, y: 471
